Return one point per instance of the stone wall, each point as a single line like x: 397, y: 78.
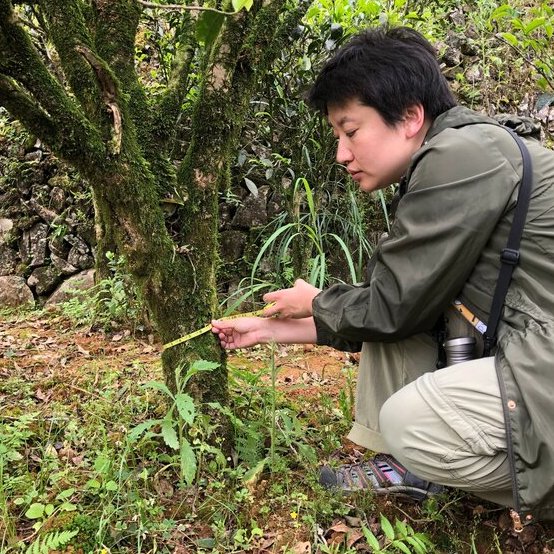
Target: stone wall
x: 46, y: 223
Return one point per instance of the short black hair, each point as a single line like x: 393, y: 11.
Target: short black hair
x: 388, y: 69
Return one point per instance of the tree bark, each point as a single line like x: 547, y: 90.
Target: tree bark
x: 119, y: 138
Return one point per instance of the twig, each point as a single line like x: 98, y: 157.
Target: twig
x: 84, y: 390
x: 185, y: 8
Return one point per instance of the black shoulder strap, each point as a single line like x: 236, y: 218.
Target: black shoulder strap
x: 510, y: 255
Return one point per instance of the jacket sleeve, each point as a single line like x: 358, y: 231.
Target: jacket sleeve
x: 459, y: 185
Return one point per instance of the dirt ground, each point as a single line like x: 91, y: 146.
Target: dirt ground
x: 49, y: 353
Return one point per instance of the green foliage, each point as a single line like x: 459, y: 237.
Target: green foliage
x: 528, y: 30
x: 174, y: 427
x: 307, y: 241
x: 399, y: 537
x: 113, y: 301
x: 50, y: 542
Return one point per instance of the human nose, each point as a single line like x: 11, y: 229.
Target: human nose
x: 344, y: 154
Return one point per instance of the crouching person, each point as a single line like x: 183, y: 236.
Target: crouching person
x: 485, y: 425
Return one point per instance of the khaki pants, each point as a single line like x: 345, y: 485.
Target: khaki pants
x: 447, y: 425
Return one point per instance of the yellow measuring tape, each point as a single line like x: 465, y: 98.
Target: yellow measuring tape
x: 206, y: 328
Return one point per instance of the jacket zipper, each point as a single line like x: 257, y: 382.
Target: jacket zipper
x: 514, y: 513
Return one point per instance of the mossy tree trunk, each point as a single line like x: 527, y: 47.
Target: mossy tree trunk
x: 120, y: 136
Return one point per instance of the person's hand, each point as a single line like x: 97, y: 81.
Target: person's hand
x: 239, y: 333
x: 295, y: 302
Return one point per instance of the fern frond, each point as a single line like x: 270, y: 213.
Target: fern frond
x: 50, y: 541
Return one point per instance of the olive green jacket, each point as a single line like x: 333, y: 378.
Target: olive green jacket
x: 452, y: 221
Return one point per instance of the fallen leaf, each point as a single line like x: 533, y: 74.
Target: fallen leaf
x: 83, y: 351
x: 302, y: 548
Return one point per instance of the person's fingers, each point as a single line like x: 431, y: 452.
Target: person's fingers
x: 270, y: 311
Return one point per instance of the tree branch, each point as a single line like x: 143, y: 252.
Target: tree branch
x: 23, y: 107
x: 66, y: 28
x: 116, y: 27
x: 180, y: 7
x: 109, y: 95
x: 168, y: 105
x: 20, y: 61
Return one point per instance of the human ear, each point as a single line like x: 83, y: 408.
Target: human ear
x: 414, y: 120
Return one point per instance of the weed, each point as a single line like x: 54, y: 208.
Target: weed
x: 112, y: 301
x: 399, y: 537
x: 177, y: 422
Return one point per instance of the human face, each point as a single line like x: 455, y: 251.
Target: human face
x: 375, y: 154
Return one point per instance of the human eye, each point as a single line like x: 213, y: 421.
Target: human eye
x: 351, y: 133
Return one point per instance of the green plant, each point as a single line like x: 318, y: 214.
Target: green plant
x: 113, y: 300
x: 13, y: 439
x: 346, y: 397
x: 50, y: 541
x: 529, y: 33
x: 307, y: 239
x: 41, y: 512
x: 178, y: 420
x: 399, y: 537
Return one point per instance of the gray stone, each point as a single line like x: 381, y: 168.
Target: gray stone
x: 6, y: 225
x: 452, y: 56
x: 78, y: 243
x: 63, y: 265
x: 457, y: 17
x: 78, y: 259
x: 57, y: 199
x: 252, y: 212
x: 14, y: 293
x: 44, y: 279
x: 275, y: 205
x: 469, y: 47
x: 58, y: 246
x: 8, y: 260
x: 34, y: 156
x: 225, y: 215
x: 82, y: 281
x: 232, y: 244
x: 33, y: 245
x: 474, y: 74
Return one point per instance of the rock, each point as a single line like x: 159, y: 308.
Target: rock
x: 6, y: 225
x: 14, y: 293
x: 252, y: 212
x: 63, y: 265
x: 469, y: 47
x: 232, y: 244
x: 457, y: 17
x: 452, y: 57
x: 78, y: 243
x: 8, y: 260
x: 82, y: 281
x: 57, y: 199
x: 275, y: 205
x: 33, y: 245
x: 44, y: 279
x: 58, y: 246
x: 225, y: 215
x: 474, y: 74
x: 78, y: 259
x: 35, y: 156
